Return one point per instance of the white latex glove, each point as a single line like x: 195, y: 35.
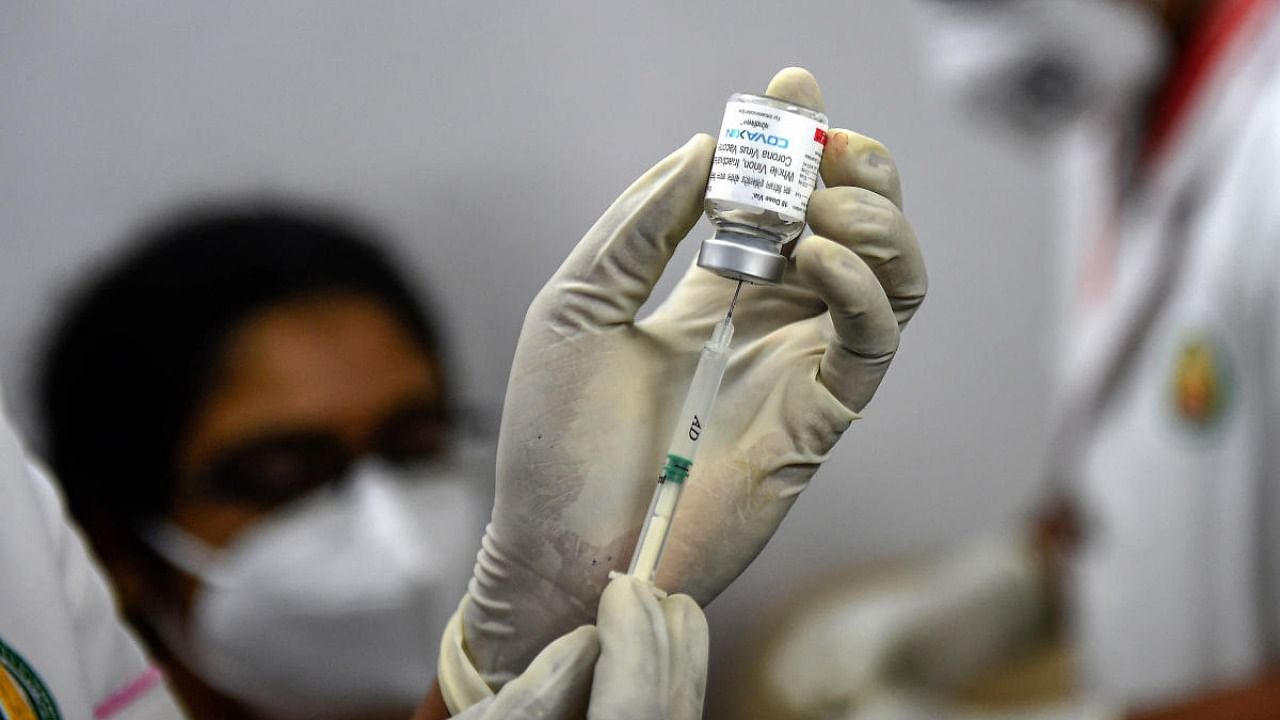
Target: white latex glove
x: 556, y: 685
x: 646, y: 660
x: 594, y: 392
x: 921, y: 629
x: 653, y: 655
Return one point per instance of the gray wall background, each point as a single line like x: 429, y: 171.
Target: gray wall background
x: 486, y: 138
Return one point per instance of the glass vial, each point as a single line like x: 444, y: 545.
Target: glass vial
x: 764, y: 170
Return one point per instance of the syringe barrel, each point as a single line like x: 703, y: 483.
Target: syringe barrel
x: 703, y: 388
x: 689, y: 431
x: 657, y: 524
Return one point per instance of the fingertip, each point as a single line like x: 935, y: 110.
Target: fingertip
x: 853, y: 159
x: 685, y: 618
x: 577, y: 652
x: 583, y: 633
x: 625, y: 591
x: 865, y: 143
x: 586, y: 639
x: 582, y: 644
x: 622, y: 583
x: 558, y: 681
x: 797, y: 85
x: 702, y: 141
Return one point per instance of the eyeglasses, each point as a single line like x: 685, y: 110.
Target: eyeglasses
x: 273, y: 469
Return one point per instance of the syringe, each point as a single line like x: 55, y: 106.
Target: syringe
x: 690, y: 429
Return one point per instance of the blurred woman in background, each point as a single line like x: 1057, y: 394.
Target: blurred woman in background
x: 249, y: 413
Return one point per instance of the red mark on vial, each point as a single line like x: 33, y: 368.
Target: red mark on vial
x: 820, y: 136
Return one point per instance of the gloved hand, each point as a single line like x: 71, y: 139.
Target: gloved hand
x: 920, y: 629
x: 646, y: 660
x: 653, y: 655
x: 594, y: 392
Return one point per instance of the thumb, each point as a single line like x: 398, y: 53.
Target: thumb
x: 557, y: 683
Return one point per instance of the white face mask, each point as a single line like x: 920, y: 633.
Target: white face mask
x: 333, y: 607
x: 1039, y: 65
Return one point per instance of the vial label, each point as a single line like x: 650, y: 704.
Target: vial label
x: 767, y: 159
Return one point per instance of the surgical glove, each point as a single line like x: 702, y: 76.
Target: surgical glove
x: 653, y: 655
x: 556, y: 685
x: 919, y: 628
x: 594, y: 392
x: 647, y: 659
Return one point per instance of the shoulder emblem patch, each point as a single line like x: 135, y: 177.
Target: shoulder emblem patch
x: 1201, y: 388
x: 23, y: 695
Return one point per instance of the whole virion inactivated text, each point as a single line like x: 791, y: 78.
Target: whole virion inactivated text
x: 764, y: 170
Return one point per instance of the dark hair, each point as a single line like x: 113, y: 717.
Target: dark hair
x: 134, y: 355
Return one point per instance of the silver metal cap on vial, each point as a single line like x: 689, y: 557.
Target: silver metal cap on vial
x: 741, y: 257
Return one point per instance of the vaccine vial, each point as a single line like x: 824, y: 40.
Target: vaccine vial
x: 764, y: 170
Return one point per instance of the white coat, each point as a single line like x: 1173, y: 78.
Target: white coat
x: 64, y: 652
x: 1168, y: 432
